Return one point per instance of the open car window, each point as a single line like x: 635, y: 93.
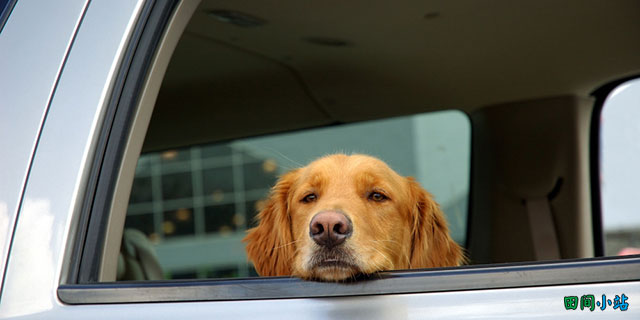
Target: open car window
x: 195, y: 203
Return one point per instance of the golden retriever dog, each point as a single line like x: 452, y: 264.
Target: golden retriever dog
x: 348, y: 215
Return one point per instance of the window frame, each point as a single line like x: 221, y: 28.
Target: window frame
x: 516, y: 275
x: 82, y: 286
x: 600, y: 95
x: 5, y: 12
x: 95, y: 212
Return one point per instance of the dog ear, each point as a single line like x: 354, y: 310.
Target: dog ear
x: 270, y: 245
x: 431, y: 244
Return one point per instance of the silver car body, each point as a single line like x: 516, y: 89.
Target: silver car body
x: 58, y: 63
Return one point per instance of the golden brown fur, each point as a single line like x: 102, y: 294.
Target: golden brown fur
x: 395, y: 223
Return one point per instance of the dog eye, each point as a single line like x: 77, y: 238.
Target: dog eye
x: 311, y: 197
x: 377, y: 196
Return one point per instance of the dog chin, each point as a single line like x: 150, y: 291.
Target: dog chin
x: 335, y: 273
x: 332, y: 267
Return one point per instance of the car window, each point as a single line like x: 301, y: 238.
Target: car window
x: 228, y: 122
x: 620, y: 172
x: 5, y: 10
x: 195, y: 203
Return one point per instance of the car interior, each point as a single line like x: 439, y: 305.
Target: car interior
x: 522, y: 74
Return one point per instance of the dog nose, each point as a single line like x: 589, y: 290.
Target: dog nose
x: 330, y: 228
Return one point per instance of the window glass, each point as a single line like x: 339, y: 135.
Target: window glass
x: 5, y: 7
x: 620, y: 169
x: 195, y: 203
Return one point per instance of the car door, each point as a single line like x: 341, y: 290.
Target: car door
x: 69, y: 224
x: 34, y: 45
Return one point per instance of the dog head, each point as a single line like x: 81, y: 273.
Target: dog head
x: 341, y: 216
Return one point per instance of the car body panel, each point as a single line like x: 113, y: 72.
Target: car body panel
x: 30, y: 67
x: 44, y: 237
x: 64, y: 149
x: 546, y: 302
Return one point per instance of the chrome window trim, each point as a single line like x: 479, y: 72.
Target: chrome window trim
x: 517, y: 275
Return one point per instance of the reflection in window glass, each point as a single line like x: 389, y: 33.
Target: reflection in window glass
x: 222, y: 219
x: 176, y: 185
x: 620, y: 169
x: 178, y: 223
x: 216, y: 182
x: 196, y: 203
x: 142, y: 222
